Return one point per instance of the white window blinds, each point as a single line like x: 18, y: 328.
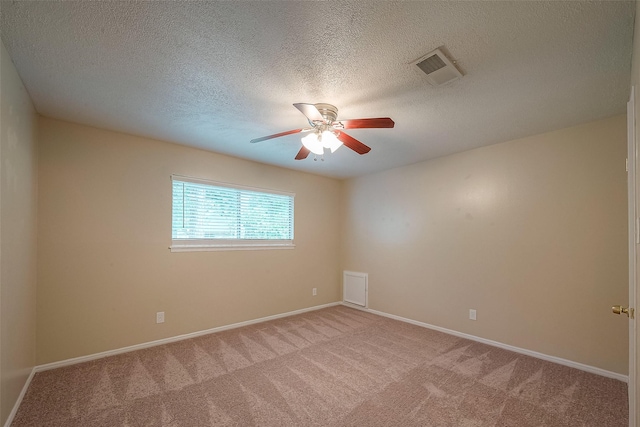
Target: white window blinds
x: 208, y: 214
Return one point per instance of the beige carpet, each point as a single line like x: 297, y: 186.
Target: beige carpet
x: 332, y: 367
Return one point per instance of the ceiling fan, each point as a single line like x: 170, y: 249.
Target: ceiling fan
x: 327, y: 132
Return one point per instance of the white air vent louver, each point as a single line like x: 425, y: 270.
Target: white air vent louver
x: 438, y: 68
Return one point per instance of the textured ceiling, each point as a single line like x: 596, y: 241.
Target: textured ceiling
x: 216, y: 74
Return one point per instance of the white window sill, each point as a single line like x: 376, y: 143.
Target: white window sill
x: 230, y: 247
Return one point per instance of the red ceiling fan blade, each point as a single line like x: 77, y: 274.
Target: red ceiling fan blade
x: 303, y: 153
x: 277, y: 135
x: 353, y: 143
x: 382, y: 122
x: 310, y: 111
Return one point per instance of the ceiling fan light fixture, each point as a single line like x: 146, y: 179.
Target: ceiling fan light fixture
x: 313, y: 144
x: 330, y: 141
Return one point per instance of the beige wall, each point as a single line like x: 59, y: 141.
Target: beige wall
x: 531, y: 233
x: 18, y: 197
x: 105, y: 228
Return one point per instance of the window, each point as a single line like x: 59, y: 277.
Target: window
x: 215, y: 216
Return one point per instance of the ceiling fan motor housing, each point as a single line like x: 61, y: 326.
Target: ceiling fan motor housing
x: 328, y: 111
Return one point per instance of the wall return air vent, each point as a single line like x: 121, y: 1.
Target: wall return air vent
x: 438, y: 68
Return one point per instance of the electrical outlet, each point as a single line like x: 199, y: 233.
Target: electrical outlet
x: 315, y: 291
x: 160, y: 317
x: 472, y: 314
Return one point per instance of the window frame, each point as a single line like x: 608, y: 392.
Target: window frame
x: 198, y: 245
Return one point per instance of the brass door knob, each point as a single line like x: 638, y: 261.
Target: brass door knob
x: 618, y: 309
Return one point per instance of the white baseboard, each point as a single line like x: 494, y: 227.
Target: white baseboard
x: 356, y: 306
x: 100, y: 355
x: 14, y: 411
x: 554, y: 359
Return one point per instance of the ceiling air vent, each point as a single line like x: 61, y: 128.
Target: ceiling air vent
x: 438, y: 68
